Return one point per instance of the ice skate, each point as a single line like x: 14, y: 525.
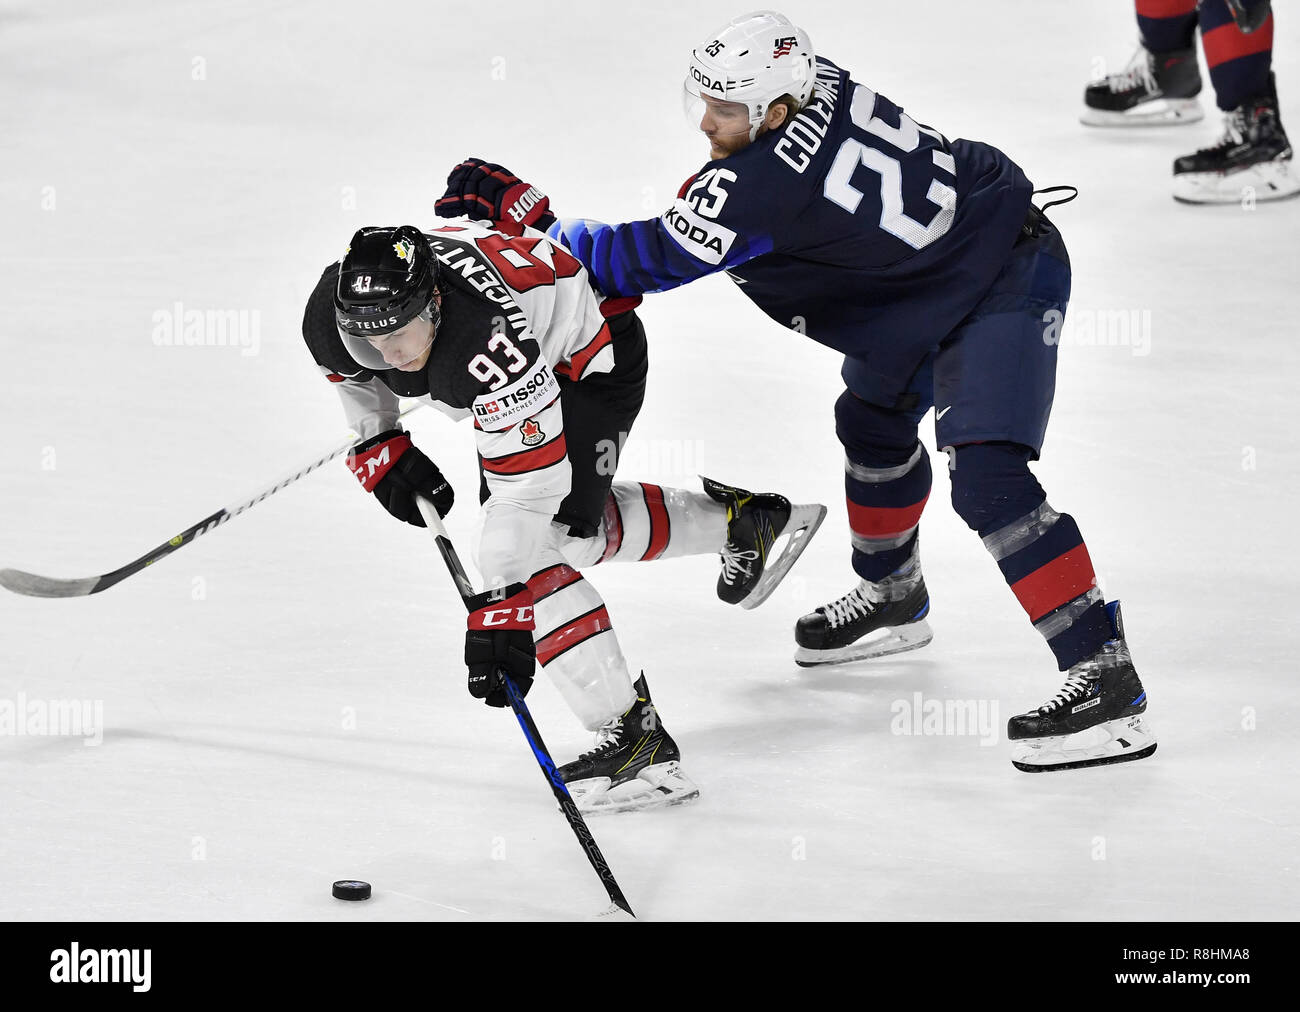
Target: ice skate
x: 1095, y: 718
x: 1251, y: 161
x: 750, y: 572
x: 1155, y: 89
x: 634, y: 766
x: 871, y: 620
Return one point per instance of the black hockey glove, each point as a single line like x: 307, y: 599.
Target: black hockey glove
x: 481, y: 189
x: 499, y: 641
x: 396, y: 472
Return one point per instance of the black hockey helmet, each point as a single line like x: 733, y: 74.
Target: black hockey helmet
x: 387, y: 278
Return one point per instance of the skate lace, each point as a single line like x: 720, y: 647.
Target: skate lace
x: 1138, y: 72
x: 1234, y: 132
x: 737, y: 563
x: 853, y: 605
x: 1076, y: 687
x: 609, y: 736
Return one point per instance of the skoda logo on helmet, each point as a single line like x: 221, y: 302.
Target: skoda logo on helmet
x: 705, y: 81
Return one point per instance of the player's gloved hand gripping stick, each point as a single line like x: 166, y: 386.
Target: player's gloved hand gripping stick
x: 503, y: 682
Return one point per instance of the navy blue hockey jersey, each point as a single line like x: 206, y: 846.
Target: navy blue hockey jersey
x: 854, y: 224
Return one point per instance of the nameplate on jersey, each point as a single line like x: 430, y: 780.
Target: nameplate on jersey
x: 703, y: 239
x: 502, y: 408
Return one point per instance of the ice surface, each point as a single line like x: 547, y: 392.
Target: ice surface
x: 283, y: 701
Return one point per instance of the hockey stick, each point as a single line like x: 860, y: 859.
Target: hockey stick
x: 534, y: 736
x: 32, y: 585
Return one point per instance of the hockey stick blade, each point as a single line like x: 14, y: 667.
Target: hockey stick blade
x: 534, y: 737
x: 33, y: 585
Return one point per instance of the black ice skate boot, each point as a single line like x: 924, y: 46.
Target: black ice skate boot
x: 1251, y: 161
x: 1095, y: 718
x: 1155, y: 89
x: 750, y: 572
x: 635, y: 764
x: 871, y: 620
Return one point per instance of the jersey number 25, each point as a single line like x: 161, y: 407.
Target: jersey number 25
x: 906, y: 137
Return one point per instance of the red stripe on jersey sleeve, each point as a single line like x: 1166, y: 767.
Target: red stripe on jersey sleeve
x: 620, y: 304
x: 659, y: 528
x: 579, y: 360
x: 569, y: 635
x: 529, y: 460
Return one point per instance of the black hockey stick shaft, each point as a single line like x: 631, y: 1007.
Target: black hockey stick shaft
x: 543, y: 756
x: 33, y: 585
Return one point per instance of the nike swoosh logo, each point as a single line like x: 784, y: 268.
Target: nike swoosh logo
x: 943, y: 412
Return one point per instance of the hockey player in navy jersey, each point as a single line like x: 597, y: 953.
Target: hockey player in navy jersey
x: 924, y: 261
x: 506, y: 330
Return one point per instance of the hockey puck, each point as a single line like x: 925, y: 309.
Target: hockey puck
x: 351, y: 889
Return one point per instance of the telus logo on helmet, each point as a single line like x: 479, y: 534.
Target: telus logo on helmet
x: 371, y: 324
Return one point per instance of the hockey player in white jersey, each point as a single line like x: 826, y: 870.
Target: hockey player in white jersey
x: 506, y: 330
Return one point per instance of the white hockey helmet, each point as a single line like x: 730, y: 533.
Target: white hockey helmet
x: 754, y: 60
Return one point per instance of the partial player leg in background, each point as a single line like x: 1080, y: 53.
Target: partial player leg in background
x: 997, y: 373
x: 886, y: 482
x: 1252, y: 161
x: 1161, y: 82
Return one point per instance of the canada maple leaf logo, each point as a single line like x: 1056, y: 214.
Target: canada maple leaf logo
x: 531, y: 432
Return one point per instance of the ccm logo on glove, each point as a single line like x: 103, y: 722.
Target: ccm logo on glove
x: 370, y: 465
x: 503, y: 618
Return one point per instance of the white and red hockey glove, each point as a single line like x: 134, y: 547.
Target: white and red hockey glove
x: 480, y: 189
x: 499, y: 641
x: 389, y: 466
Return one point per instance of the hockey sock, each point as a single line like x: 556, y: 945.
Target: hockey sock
x: 576, y: 643
x: 886, y: 483
x: 1239, y: 63
x: 644, y: 522
x: 1167, y: 25
x: 885, y: 505
x: 1040, y: 552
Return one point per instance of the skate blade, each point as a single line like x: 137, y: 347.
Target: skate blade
x: 798, y: 532
x: 1259, y: 183
x: 1161, y: 112
x: 881, y: 643
x: 657, y: 786
x: 1116, y: 741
